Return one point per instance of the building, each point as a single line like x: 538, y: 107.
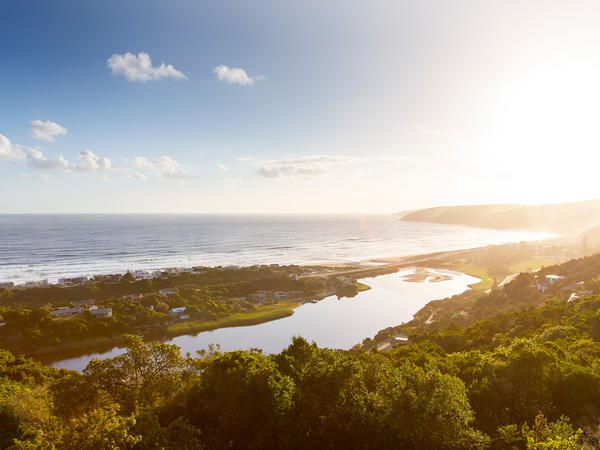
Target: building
x: 280, y: 295
x: 179, y: 312
x: 167, y: 292
x: 543, y: 284
x: 7, y: 285
x: 260, y: 296
x: 66, y: 311
x: 141, y: 275
x: 100, y: 311
x: 75, y: 281
x: 86, y: 303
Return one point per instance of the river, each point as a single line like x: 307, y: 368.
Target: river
x: 331, y: 322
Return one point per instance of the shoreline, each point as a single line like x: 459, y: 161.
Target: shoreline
x: 443, y: 260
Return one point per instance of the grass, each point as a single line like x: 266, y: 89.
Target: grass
x: 486, y: 281
x: 535, y: 263
x: 361, y: 287
x: 264, y: 314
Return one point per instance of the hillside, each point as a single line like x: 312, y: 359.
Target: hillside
x: 564, y: 218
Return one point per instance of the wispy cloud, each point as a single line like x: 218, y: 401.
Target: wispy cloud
x: 139, y: 68
x: 165, y: 165
x: 46, y: 130
x: 235, y: 75
x: 302, y: 168
x: 9, y: 151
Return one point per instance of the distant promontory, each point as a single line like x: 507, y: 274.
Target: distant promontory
x: 563, y: 218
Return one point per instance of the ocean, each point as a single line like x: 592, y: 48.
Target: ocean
x: 38, y: 247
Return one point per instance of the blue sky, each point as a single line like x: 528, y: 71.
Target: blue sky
x: 340, y: 106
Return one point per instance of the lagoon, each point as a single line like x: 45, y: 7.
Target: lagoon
x: 331, y: 322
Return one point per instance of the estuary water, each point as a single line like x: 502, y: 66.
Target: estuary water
x: 331, y: 322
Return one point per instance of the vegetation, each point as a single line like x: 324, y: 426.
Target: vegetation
x: 212, y: 298
x: 520, y: 370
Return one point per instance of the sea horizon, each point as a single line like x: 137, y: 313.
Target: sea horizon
x: 53, y: 246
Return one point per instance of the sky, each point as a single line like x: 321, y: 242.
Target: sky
x: 343, y: 106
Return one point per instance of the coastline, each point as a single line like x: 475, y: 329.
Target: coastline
x: 445, y: 260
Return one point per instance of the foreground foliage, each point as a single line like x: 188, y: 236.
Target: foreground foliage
x: 524, y: 379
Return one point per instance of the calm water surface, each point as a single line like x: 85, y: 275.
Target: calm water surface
x: 332, y: 322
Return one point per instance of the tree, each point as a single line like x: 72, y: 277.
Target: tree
x: 143, y: 376
x: 558, y: 435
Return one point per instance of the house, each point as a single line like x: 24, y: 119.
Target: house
x: 385, y: 345
x: 294, y: 294
x: 2, y: 323
x: 133, y: 298
x: 100, y: 311
x: 8, y: 285
x: 167, y: 292
x: 542, y: 284
x: 173, y: 271
x: 141, y: 275
x: 66, y: 311
x: 390, y: 342
x: 260, y: 296
x: 401, y: 338
x: 84, y: 303
x: 179, y: 312
x: 74, y: 281
x: 279, y: 295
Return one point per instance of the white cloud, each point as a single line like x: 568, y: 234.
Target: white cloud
x: 165, y: 165
x: 170, y: 168
x: 302, y: 168
x: 9, y: 151
x: 87, y: 161
x: 222, y: 167
x: 143, y: 163
x: 46, y: 130
x: 90, y: 162
x: 235, y: 75
x: 139, y: 68
x: 37, y: 160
